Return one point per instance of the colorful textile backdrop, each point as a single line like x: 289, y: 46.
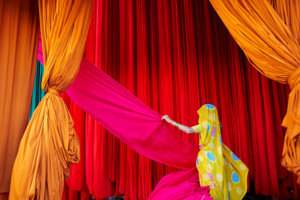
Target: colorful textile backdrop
x: 50, y: 143
x: 271, y: 43
x: 19, y: 42
x: 165, y: 53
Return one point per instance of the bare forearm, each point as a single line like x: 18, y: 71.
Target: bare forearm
x: 186, y: 129
x: 183, y: 128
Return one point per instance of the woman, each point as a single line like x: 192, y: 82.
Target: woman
x: 218, y: 167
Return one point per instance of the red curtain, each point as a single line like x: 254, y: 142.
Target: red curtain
x: 176, y: 55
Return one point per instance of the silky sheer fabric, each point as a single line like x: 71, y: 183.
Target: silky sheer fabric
x: 18, y: 48
x: 50, y: 143
x: 272, y: 46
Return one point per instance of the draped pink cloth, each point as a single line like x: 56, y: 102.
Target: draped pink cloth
x: 141, y: 128
x: 129, y: 119
x: 181, y: 185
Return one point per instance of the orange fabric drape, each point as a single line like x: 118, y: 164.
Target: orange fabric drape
x: 289, y: 12
x: 18, y: 51
x: 272, y: 46
x: 50, y: 143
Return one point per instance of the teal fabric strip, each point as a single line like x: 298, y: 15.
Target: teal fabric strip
x: 37, y: 93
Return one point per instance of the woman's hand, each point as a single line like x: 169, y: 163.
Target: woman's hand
x: 167, y: 118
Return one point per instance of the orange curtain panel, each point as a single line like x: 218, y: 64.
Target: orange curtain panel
x: 289, y: 12
x: 18, y: 52
x: 50, y: 144
x: 271, y: 43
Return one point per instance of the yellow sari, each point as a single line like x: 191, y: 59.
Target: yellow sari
x: 217, y: 165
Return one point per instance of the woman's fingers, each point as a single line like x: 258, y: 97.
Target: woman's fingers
x: 165, y: 117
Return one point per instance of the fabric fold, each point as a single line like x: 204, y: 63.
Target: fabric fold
x: 183, y: 184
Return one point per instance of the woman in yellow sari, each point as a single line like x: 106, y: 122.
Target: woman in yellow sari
x: 217, y: 165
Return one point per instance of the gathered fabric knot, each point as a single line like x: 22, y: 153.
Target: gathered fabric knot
x: 53, y: 91
x: 294, y: 78
x: 292, y: 118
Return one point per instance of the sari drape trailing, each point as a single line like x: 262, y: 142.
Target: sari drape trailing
x: 271, y: 43
x: 50, y: 143
x: 18, y: 49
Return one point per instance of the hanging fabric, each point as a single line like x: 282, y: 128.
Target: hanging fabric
x: 18, y: 42
x: 50, y: 144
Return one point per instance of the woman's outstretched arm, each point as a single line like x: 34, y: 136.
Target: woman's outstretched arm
x: 183, y: 128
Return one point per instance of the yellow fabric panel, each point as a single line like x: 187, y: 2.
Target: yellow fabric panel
x: 217, y: 165
x: 196, y: 128
x: 271, y: 43
x: 18, y: 55
x: 50, y: 143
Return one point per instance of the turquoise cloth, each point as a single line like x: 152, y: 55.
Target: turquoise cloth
x: 37, y: 93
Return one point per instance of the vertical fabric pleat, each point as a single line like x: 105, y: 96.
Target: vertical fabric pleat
x: 18, y: 42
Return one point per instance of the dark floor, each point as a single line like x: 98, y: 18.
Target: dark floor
x: 256, y: 197
x: 249, y: 196
x: 116, y: 198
